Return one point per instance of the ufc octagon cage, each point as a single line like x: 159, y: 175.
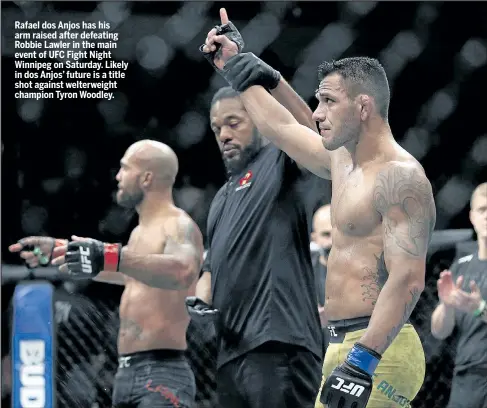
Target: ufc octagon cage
x: 60, y: 158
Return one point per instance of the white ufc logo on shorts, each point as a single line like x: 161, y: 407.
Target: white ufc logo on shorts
x: 85, y: 262
x: 352, y: 388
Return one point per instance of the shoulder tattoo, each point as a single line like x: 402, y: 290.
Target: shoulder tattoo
x: 187, y: 236
x: 403, y: 193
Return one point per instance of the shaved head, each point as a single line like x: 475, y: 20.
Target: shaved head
x: 322, y: 214
x: 479, y: 193
x: 156, y: 158
x: 478, y: 211
x: 322, y: 227
x: 146, y: 166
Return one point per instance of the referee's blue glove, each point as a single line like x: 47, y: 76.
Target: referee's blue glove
x: 350, y: 384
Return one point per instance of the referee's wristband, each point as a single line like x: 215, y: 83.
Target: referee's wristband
x: 480, y: 311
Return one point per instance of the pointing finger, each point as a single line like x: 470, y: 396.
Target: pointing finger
x: 15, y: 247
x: 459, y: 282
x: 224, y: 16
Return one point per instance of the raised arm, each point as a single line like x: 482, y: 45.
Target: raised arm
x: 404, y: 199
x: 288, y: 126
x: 278, y: 125
x: 287, y: 97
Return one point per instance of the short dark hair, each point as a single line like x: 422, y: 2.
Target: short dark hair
x: 226, y: 92
x: 361, y: 75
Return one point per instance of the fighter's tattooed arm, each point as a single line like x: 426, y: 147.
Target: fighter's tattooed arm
x: 179, y: 264
x: 404, y: 199
x: 373, y: 280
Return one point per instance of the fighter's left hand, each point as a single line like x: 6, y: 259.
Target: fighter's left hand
x: 222, y: 42
x: 85, y: 258
x: 352, y: 380
x: 465, y: 301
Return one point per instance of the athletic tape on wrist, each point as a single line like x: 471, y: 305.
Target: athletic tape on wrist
x: 112, y: 257
x: 361, y: 358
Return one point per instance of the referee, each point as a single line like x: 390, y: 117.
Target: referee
x: 270, y: 349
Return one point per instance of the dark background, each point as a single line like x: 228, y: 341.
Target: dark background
x: 60, y: 158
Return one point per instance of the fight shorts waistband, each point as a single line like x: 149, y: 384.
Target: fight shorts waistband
x: 339, y: 328
x: 126, y: 360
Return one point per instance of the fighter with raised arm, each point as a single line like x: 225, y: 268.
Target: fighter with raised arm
x: 382, y: 213
x: 159, y: 268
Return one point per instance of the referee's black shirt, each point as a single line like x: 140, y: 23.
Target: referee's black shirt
x: 259, y: 258
x: 472, y: 331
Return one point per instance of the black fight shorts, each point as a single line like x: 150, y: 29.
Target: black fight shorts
x: 469, y: 389
x: 154, y: 379
x: 274, y: 375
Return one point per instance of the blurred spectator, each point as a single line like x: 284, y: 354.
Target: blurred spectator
x: 463, y: 293
x: 321, y: 242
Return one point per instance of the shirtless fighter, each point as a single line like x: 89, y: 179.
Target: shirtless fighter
x: 159, y: 268
x: 382, y: 214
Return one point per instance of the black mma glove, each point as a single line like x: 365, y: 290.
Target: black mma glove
x: 351, y: 382
x: 197, y: 308
x: 229, y: 31
x: 245, y: 70
x: 86, y: 259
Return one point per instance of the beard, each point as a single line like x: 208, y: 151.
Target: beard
x: 129, y: 200
x: 244, y: 156
x: 347, y: 131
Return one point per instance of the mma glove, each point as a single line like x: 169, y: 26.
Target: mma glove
x: 198, y: 309
x: 229, y: 31
x: 351, y: 382
x: 245, y: 70
x: 86, y: 259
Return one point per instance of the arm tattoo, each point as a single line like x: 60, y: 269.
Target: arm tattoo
x: 405, y: 192
x: 373, y: 281
x: 187, y: 234
x: 408, y: 309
